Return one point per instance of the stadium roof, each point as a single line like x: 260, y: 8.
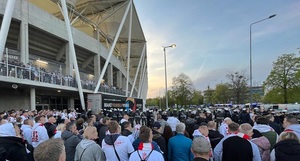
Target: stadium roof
x: 104, y: 16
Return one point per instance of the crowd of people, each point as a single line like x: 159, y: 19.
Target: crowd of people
x: 153, y: 135
x: 35, y: 73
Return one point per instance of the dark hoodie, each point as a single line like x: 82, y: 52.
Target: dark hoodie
x: 110, y: 139
x: 126, y: 132
x: 160, y: 141
x: 70, y: 141
x: 11, y: 147
x: 287, y: 150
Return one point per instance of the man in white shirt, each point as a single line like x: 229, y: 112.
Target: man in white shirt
x: 172, y: 122
x: 27, y: 130
x: 115, y: 146
x: 39, y: 132
x: 224, y: 126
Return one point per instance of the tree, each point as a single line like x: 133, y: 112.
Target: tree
x: 208, y: 96
x: 197, y: 98
x: 284, y: 75
x: 182, y: 89
x: 238, y: 85
x: 222, y: 93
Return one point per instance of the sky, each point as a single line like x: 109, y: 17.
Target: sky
x: 213, y: 38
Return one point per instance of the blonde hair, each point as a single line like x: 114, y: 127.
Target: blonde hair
x: 288, y: 135
x: 89, y: 131
x: 61, y: 127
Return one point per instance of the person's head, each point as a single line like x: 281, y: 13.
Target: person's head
x: 289, y: 120
x: 262, y: 120
x: 80, y: 122
x: 90, y: 133
x: 126, y: 117
x: 228, y: 120
x: 246, y: 128
x: 61, y: 127
x: 28, y: 122
x: 180, y: 128
x: 127, y: 125
x: 211, y: 125
x: 270, y: 118
x: 114, y: 127
x: 203, y: 129
x: 106, y: 120
x: 52, y: 149
x: 233, y: 127
x: 288, y: 135
x: 66, y: 121
x: 51, y: 119
x: 156, y: 126
x: 201, y: 147
x: 90, y: 122
x: 159, y: 117
x: 40, y: 119
x: 71, y: 126
x: 145, y: 134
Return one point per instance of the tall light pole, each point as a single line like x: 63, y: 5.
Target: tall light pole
x: 251, y: 53
x: 166, y: 95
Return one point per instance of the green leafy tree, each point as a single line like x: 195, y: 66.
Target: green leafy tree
x: 208, y: 96
x: 182, y: 89
x: 239, y: 87
x: 284, y: 75
x: 197, y: 98
x: 222, y: 93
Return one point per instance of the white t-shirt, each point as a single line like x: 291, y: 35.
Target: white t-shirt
x: 123, y: 147
x: 39, y: 134
x: 172, y: 121
x: 224, y: 129
x: 154, y: 156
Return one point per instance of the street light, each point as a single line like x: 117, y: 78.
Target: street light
x: 166, y: 95
x: 251, y: 53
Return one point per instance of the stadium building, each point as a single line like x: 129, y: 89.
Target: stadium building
x: 55, y: 52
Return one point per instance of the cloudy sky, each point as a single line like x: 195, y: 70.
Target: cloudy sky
x: 212, y: 38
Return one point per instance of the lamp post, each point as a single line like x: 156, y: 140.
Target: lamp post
x: 166, y: 95
x: 251, y: 53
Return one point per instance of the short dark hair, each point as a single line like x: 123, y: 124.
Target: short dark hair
x: 233, y: 127
x: 291, y: 119
x: 144, y: 134
x: 262, y: 120
x: 126, y: 124
x: 38, y: 118
x: 69, y: 125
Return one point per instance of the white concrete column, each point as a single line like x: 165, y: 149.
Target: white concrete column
x: 69, y: 62
x: 23, y: 42
x: 9, y: 9
x: 71, y: 103
x: 119, y: 79
x: 110, y: 79
x: 97, y: 67
x: 32, y: 99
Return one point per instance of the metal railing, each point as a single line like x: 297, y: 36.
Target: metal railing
x: 31, y: 72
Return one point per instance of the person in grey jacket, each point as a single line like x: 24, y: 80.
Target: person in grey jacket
x: 88, y: 149
x: 71, y: 140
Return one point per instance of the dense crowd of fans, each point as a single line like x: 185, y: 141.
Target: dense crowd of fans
x: 153, y: 135
x: 36, y: 73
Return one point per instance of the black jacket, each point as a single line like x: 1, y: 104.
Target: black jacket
x: 161, y: 142
x: 13, y: 149
x: 126, y: 132
x: 215, y: 137
x: 287, y: 150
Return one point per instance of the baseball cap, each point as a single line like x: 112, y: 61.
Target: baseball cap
x: 201, y: 145
x: 156, y: 125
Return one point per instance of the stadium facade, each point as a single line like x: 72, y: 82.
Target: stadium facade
x: 49, y: 46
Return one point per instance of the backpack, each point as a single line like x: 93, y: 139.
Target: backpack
x: 146, y: 157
